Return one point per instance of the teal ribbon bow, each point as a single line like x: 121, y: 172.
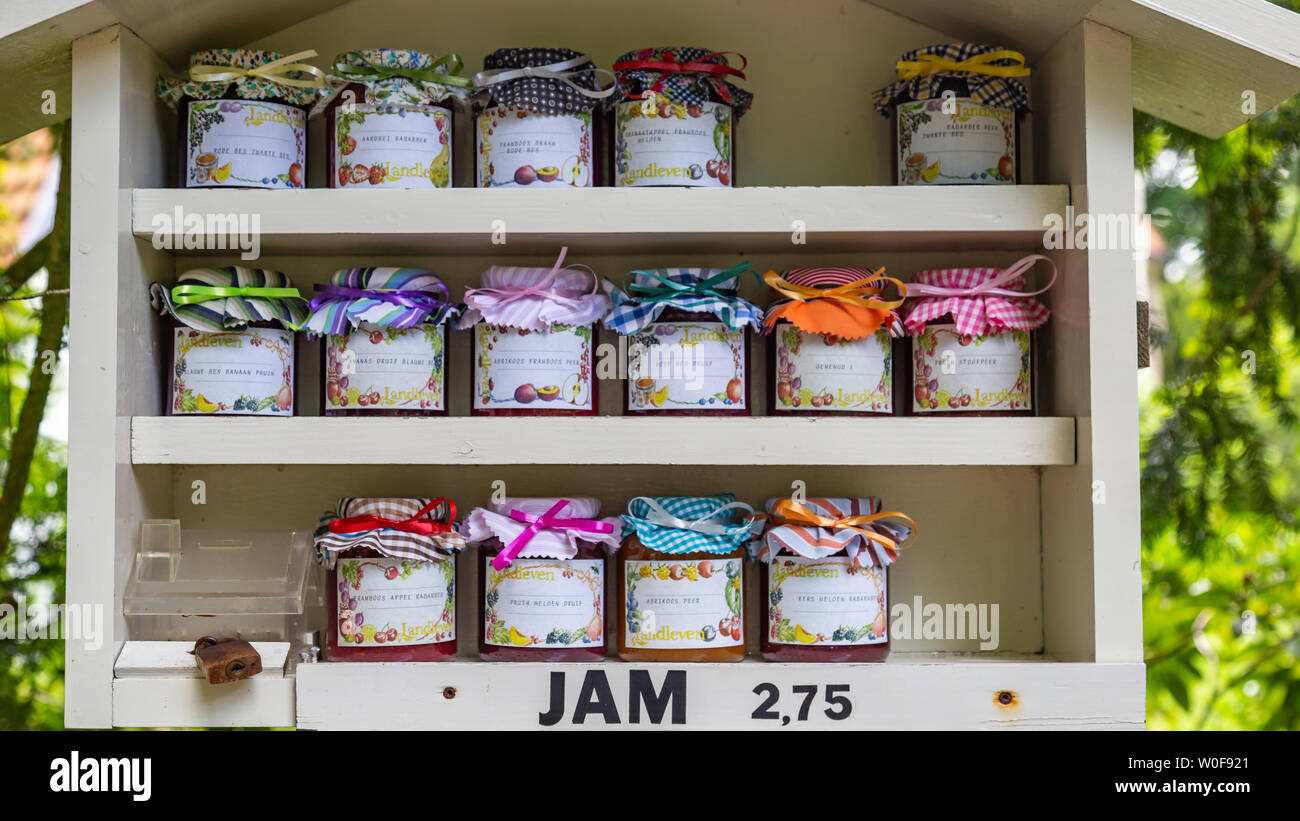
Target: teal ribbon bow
x: 667, y: 289
x: 367, y: 70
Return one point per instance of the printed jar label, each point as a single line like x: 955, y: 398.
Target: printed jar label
x: 826, y: 372
x: 234, y: 372
x: 825, y: 601
x: 684, y: 604
x: 544, y: 603
x: 679, y: 365
x: 245, y: 143
x: 386, y: 369
x: 393, y: 601
x: 516, y: 368
x: 955, y: 141
x: 521, y: 147
x: 970, y: 373
x: 666, y: 144
x: 392, y: 146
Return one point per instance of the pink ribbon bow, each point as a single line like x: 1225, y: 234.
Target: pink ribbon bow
x: 547, y: 520
x: 985, y: 304
x: 482, y: 299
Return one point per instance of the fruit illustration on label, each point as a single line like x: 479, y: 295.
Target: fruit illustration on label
x: 206, y: 405
x: 438, y: 172
x: 931, y: 173
x: 548, y: 393
x: 349, y: 144
x: 295, y: 175
x: 525, y: 394
x: 377, y: 174
x: 878, y: 625
x: 735, y: 390
x: 519, y: 639
x: 548, y: 173
x: 525, y: 175
x: 360, y: 173
x: 660, y: 396
x: 803, y: 636
x: 284, y: 398
x: 222, y: 173
x: 1006, y: 168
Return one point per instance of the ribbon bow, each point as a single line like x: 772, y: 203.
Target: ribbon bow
x: 657, y: 515
x: 362, y: 70
x: 480, y: 298
x: 277, y: 71
x: 990, y: 287
x: 668, y: 289
x: 862, y: 292
x: 189, y: 294
x: 547, y: 520
x: 700, y: 65
x: 359, y: 524
x: 560, y: 71
x: 406, y: 299
x: 927, y: 64
x: 788, y: 511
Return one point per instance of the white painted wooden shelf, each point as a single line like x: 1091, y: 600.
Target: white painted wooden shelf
x: 563, y: 441
x: 743, y: 220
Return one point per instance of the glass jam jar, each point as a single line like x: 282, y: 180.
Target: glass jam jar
x: 533, y: 346
x: 823, y: 597
x: 956, y: 110
x: 246, y: 132
x: 686, y: 341
x: 972, y: 340
x: 681, y: 591
x: 230, y: 342
x: 830, y: 342
x: 675, y: 120
x: 391, y: 122
x: 535, y: 119
x: 384, y: 342
x: 544, y: 600
x: 392, y: 579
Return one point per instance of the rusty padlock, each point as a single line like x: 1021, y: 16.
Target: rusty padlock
x: 224, y: 660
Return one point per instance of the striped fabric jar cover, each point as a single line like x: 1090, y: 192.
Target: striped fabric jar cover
x: 813, y: 542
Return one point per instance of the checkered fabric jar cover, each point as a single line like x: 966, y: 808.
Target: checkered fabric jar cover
x: 999, y: 92
x: 537, y: 94
x: 389, y: 542
x: 663, y: 523
x: 679, y: 88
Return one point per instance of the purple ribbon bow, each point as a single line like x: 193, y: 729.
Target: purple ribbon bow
x: 547, y: 520
x: 422, y: 300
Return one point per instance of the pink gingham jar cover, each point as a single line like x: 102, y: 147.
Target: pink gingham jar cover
x: 981, y: 301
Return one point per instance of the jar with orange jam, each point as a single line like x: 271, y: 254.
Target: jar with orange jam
x: 391, y: 564
x: 687, y: 341
x: 543, y: 572
x: 824, y: 578
x: 681, y: 579
x: 533, y: 346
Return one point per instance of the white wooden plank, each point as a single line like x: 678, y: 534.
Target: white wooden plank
x: 924, y: 693
x: 192, y: 702
x: 624, y: 220
x: 603, y: 441
x: 172, y: 659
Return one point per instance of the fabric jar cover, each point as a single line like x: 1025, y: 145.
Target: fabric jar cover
x: 640, y: 303
x: 382, y: 297
x: 857, y: 313
x: 534, y: 299
x: 680, y: 87
x: 562, y: 93
x: 981, y: 301
x: 386, y: 537
x: 398, y: 77
x: 204, y: 309
x: 294, y: 81
x: 690, y: 524
x: 484, y: 523
x: 814, y: 541
x: 987, y: 89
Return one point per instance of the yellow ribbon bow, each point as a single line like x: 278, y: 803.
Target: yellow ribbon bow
x: 863, y: 292
x: 788, y: 511
x: 926, y: 64
x: 277, y: 71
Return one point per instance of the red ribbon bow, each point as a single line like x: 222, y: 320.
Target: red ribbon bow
x: 535, y: 524
x: 358, y: 524
x: 697, y: 66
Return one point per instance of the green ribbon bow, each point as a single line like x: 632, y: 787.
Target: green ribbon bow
x: 369, y: 71
x: 190, y: 294
x: 667, y: 289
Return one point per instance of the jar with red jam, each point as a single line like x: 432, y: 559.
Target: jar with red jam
x: 230, y: 344
x: 956, y: 110
x: 830, y: 341
x: 537, y: 120
x: 685, y: 334
x: 543, y: 571
x: 675, y: 118
x: 824, y: 578
x: 681, y: 578
x: 391, y: 593
x: 972, y: 351
x: 242, y: 118
x: 384, y: 342
x: 533, y: 345
x: 390, y: 121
